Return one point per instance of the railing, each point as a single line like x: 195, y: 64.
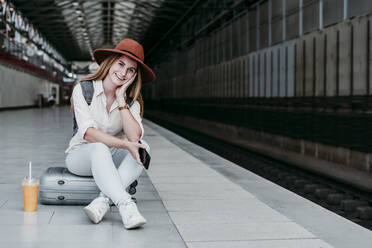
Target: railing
x: 27, y: 53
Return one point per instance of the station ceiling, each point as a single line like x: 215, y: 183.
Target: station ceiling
x: 77, y: 27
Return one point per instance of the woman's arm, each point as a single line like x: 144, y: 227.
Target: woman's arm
x: 131, y: 127
x: 95, y: 135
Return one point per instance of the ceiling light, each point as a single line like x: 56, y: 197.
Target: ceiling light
x: 62, y: 3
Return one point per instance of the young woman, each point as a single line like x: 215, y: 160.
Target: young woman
x: 105, y: 144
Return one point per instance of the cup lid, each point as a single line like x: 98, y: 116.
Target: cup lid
x: 33, y: 180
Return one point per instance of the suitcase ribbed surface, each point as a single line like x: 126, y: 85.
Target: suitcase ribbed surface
x: 59, y: 186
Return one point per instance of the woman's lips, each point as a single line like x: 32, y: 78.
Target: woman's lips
x: 119, y: 77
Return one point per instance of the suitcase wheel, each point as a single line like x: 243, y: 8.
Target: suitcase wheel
x: 132, y: 190
x: 134, y: 184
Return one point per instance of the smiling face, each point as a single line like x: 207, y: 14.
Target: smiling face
x: 122, y: 70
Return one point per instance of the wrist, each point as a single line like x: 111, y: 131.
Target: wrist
x: 121, y: 101
x: 123, y: 107
x: 124, y: 144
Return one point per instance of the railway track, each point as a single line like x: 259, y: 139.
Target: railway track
x: 337, y: 197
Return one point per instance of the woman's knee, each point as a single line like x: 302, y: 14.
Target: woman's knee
x: 79, y: 171
x: 78, y: 165
x: 99, y: 147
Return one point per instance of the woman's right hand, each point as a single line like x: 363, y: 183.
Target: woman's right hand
x: 133, y: 149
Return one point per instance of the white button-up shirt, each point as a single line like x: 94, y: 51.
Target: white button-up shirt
x: 95, y: 115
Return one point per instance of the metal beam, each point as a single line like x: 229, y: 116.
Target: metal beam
x: 258, y: 27
x: 320, y: 14
x: 269, y: 21
x: 346, y: 9
x: 300, y: 17
x: 284, y: 22
x: 174, y: 26
x: 217, y: 18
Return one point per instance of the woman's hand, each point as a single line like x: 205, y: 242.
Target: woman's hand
x: 133, y: 147
x: 120, y: 91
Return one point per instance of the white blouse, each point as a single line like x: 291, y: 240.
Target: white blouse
x: 95, y: 115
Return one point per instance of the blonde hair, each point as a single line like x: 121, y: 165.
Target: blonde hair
x: 134, y: 89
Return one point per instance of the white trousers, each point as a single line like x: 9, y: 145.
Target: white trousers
x: 112, y: 172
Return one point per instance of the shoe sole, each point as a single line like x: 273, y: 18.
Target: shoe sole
x: 91, y: 215
x: 141, y: 223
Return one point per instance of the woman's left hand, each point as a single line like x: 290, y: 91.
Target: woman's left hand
x: 133, y: 147
x: 120, y: 91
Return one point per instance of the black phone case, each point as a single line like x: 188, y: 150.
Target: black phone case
x: 145, y: 157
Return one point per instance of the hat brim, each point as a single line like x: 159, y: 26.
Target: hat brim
x: 148, y: 75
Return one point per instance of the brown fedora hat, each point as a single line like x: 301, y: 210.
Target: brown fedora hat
x: 132, y: 49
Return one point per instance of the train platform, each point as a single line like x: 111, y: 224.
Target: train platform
x: 189, y: 196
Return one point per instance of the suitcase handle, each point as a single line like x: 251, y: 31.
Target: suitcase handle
x: 61, y: 182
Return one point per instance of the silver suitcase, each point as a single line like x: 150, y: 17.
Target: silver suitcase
x: 60, y: 187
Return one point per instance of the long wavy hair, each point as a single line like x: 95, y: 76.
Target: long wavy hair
x: 134, y: 89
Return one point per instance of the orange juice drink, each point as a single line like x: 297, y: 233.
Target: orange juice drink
x: 30, y: 189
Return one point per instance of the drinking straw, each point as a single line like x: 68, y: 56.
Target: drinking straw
x: 29, y: 170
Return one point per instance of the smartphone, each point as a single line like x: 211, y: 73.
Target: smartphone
x: 144, y: 157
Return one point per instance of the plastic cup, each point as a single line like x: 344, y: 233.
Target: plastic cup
x: 30, y: 189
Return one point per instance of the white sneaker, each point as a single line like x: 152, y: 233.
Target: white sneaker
x: 97, y: 209
x: 130, y: 215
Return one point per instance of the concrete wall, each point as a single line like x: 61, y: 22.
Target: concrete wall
x: 259, y: 39
x: 333, y: 61
x: 298, y: 55
x: 20, y: 89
